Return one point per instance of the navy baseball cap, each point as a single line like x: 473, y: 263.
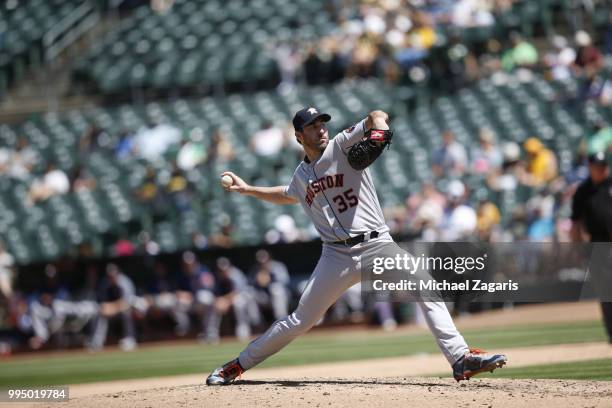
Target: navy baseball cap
x: 306, y: 116
x: 598, y: 158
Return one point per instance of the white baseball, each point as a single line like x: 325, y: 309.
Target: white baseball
x: 227, y: 181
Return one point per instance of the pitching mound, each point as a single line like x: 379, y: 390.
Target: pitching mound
x: 405, y: 392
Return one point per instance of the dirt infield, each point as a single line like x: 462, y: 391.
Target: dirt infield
x: 365, y: 392
x: 420, y: 365
x: 380, y: 382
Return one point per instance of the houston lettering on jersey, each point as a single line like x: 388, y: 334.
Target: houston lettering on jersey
x: 322, y: 184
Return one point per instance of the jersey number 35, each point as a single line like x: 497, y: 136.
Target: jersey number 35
x: 345, y: 200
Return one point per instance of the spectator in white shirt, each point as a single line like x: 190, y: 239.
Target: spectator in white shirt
x: 54, y: 182
x: 151, y: 143
x: 460, y: 220
x: 268, y: 141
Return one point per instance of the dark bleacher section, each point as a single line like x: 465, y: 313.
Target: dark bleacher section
x: 199, y: 43
x: 22, y: 27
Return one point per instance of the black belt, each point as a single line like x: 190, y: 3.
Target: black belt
x: 357, y: 239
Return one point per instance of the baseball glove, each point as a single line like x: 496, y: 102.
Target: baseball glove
x: 367, y: 150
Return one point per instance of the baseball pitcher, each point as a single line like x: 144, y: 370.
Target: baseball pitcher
x: 334, y: 186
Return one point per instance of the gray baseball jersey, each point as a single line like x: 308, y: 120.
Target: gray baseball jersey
x: 341, y: 201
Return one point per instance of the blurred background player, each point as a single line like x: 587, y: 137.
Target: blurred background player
x: 116, y: 296
x: 270, y: 282
x: 162, y: 296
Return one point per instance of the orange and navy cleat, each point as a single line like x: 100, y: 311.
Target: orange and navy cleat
x: 476, y: 362
x: 225, y: 375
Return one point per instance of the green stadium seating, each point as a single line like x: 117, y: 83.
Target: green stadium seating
x: 198, y: 43
x: 22, y: 27
x: 515, y: 111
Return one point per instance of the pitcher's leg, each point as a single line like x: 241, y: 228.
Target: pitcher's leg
x: 441, y: 325
x: 438, y: 319
x: 330, y: 279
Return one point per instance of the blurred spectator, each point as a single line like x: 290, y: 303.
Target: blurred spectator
x: 5, y: 160
x: 178, y: 189
x: 224, y: 236
x: 324, y: 63
x: 426, y: 211
x: 146, y: 244
x: 461, y: 66
x: 151, y: 195
x: 487, y: 218
x: 507, y: 177
x: 420, y: 39
x: 460, y: 221
x: 54, y: 182
x: 472, y: 13
x: 486, y: 157
x: 220, y: 148
x: 152, y: 142
x: 289, y: 60
x: 541, y: 166
x: 92, y: 140
x: 560, y: 59
x: 589, y: 60
x: 523, y: 54
x: 588, y: 65
x: 540, y: 217
x: 192, y: 151
x: 598, y: 88
x: 23, y: 160
x: 579, y: 170
x: 123, y: 247
x: 284, y: 230
x: 450, y: 160
x: 199, y: 240
x: 270, y: 280
x: 148, y: 189
x: 116, y: 296
x: 268, y: 141
x: 363, y: 57
x: 601, y: 140
x: 7, y: 272
x: 125, y: 146
x: 83, y: 180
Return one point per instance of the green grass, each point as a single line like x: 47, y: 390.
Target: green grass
x: 600, y: 370
x: 154, y: 361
